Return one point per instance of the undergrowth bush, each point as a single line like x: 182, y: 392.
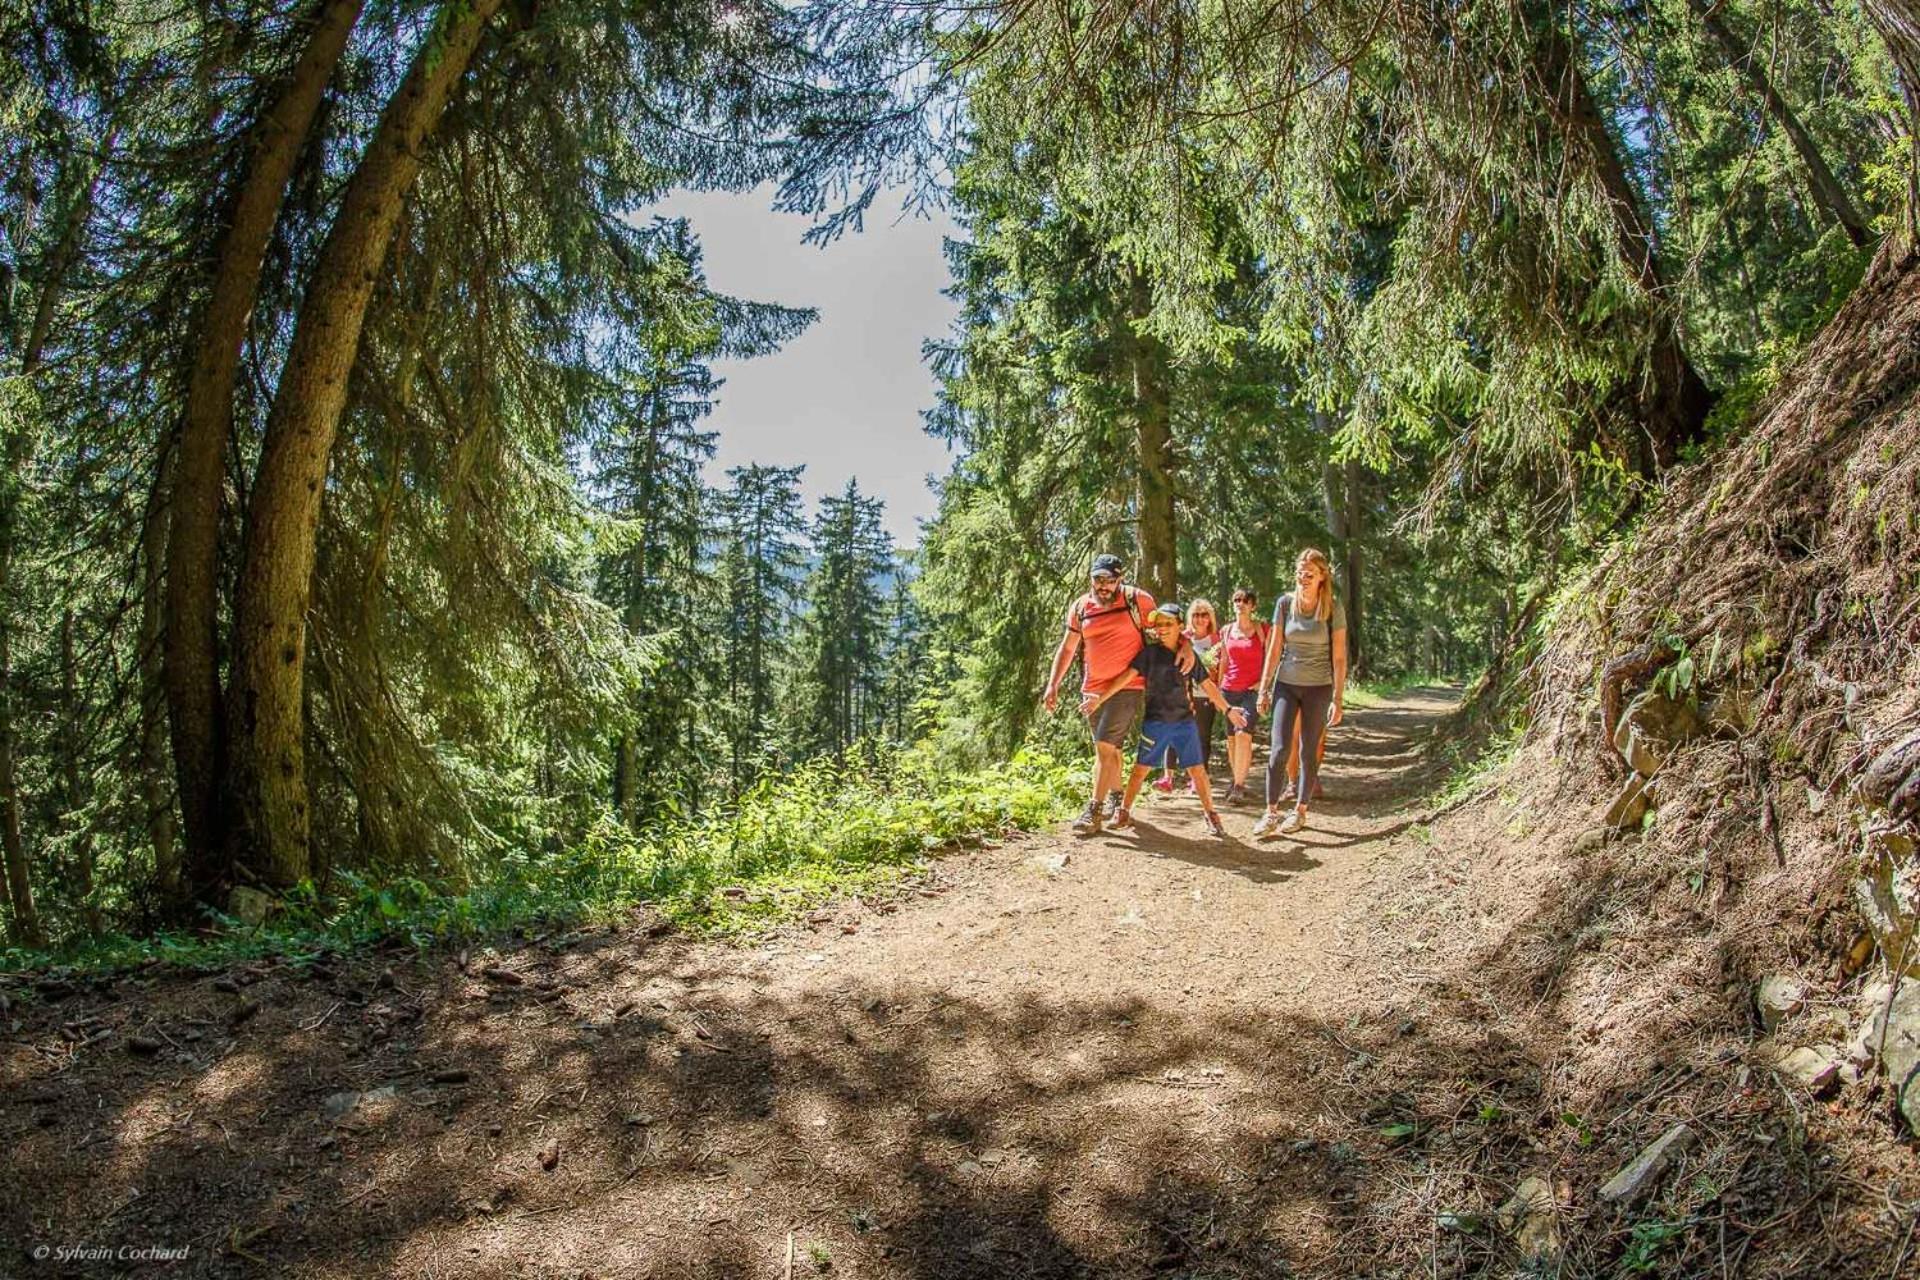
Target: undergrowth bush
x: 823, y: 828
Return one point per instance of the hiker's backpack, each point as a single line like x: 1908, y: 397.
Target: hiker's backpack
x: 1129, y: 593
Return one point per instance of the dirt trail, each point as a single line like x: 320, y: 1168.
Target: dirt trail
x: 1137, y: 1054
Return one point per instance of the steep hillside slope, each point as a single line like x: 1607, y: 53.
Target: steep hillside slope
x: 1718, y: 792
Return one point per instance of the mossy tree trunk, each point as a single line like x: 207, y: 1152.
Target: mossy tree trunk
x: 266, y: 725
x: 190, y: 658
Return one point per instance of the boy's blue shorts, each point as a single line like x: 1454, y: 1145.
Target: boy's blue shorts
x: 1175, y: 742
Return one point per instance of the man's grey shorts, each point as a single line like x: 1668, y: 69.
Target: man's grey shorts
x: 1114, y: 719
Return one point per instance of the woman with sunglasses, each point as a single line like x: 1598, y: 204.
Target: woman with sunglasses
x: 1242, y: 650
x: 1305, y: 678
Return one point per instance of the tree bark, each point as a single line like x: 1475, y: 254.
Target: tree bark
x: 1355, y: 556
x: 74, y: 790
x: 155, y: 767
x: 191, y: 660
x: 266, y: 772
x: 1672, y: 400
x: 1826, y: 188
x: 1153, y: 422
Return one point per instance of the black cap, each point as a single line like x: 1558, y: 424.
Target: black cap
x: 1105, y: 563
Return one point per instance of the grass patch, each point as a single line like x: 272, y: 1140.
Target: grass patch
x: 1365, y: 694
x: 1472, y: 763
x: 822, y: 829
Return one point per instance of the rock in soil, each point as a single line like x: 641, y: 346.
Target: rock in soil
x: 1643, y: 1172
x: 1528, y: 1217
x: 1778, y: 997
x: 1895, y: 1034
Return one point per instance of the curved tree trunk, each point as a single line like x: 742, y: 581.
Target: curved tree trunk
x: 1153, y: 424
x: 190, y: 660
x: 266, y: 757
x: 1826, y: 188
x: 1672, y: 400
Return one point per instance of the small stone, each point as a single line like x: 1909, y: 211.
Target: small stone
x: 992, y: 1156
x: 249, y: 906
x: 1528, y: 1217
x: 1813, y: 1068
x: 971, y: 1168
x: 1628, y: 811
x: 1640, y: 1174
x: 1778, y: 997
x: 146, y: 1046
x: 1592, y: 840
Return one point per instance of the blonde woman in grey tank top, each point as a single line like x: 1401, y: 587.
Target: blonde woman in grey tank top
x: 1305, y: 674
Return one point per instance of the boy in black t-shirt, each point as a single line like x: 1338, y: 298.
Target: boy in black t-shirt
x: 1169, y: 734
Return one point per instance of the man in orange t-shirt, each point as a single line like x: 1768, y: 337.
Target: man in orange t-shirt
x: 1107, y: 621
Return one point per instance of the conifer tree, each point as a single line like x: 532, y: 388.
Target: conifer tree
x: 838, y: 690
x: 761, y: 571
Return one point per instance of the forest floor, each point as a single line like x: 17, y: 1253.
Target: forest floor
x: 1153, y: 1053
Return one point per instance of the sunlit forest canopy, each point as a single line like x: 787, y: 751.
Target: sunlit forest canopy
x: 358, y: 519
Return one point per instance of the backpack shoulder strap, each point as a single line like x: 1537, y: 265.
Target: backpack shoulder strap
x: 1133, y: 605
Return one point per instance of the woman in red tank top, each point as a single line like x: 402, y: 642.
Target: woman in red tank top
x: 1243, y: 647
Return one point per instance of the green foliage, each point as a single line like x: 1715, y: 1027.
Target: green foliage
x: 1649, y: 1242
x: 825, y: 828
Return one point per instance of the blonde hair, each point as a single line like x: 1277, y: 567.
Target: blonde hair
x: 1214, y: 614
x: 1323, y: 607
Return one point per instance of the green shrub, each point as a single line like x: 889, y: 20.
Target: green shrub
x: 790, y: 842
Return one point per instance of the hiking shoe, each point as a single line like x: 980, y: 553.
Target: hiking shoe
x: 1113, y: 805
x: 1088, y: 823
x: 1215, y: 827
x: 1267, y: 826
x: 1236, y: 794
x: 1294, y: 822
x: 1163, y: 783
x: 1121, y: 820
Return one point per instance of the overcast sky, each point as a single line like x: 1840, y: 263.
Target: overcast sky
x: 845, y: 397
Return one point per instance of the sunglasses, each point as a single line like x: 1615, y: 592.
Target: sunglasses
x: 1104, y: 579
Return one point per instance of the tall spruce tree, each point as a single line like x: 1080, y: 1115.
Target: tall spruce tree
x: 761, y: 570
x: 839, y: 680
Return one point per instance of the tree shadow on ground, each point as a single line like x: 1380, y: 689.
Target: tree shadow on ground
x: 901, y: 1130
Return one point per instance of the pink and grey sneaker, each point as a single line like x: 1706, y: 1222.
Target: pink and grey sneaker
x: 1163, y: 783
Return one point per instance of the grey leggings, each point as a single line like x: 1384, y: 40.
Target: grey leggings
x: 1309, y: 702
